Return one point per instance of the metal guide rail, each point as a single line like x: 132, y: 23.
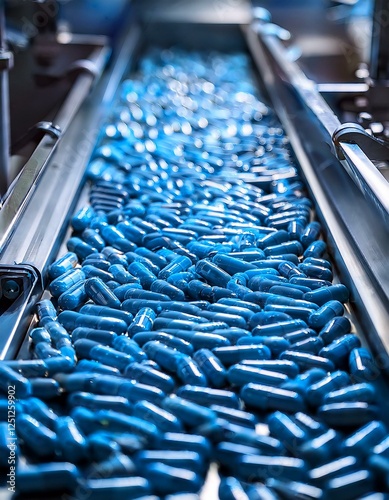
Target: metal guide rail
x: 38, y: 233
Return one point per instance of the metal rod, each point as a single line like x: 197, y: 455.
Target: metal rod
x: 4, y: 108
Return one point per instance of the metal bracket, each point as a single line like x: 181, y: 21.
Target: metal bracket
x: 36, y: 133
x: 6, y: 60
x: 352, y: 133
x: 20, y: 286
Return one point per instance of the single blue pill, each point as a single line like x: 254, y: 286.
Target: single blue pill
x: 143, y: 321
x: 189, y: 372
x: 233, y: 354
x: 191, y: 414
x: 45, y: 388
x: 316, y: 249
x: 325, y: 313
x: 321, y: 448
x: 183, y: 459
x: 317, y: 391
x: 149, y: 376
x: 322, y: 295
x: 211, y: 367
x: 102, y: 336
x: 235, y: 416
x: 189, y: 442
x: 323, y: 473
x: 231, y: 489
x: 48, y: 477
x: 65, y: 263
x: 117, y: 487
x: 97, y: 402
x: 71, y: 442
x: 306, y: 361
x: 80, y: 248
x: 287, y: 367
x: 166, y: 479
x: 347, y: 414
x: 128, y: 346
x: 364, y: 439
x: 335, y: 328
x: 164, y: 420
x: 339, y: 349
x: 177, y: 265
x: 107, y: 312
x: 89, y: 349
x: 74, y: 297
x: 10, y: 378
x: 240, y: 375
x: 350, y: 485
x: 71, y: 320
x: 90, y: 366
x: 61, y: 284
x: 363, y: 392
x: 283, y: 428
x: 39, y: 439
x: 213, y: 274
x: 265, y: 397
x: 279, y: 328
x: 362, y: 366
x: 261, y: 467
x: 207, y: 396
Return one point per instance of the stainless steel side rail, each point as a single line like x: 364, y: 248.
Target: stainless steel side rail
x: 357, y: 164
x: 24, y: 186
x: 367, y: 177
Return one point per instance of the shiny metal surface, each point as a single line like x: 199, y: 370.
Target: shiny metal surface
x: 366, y: 175
x: 25, y: 185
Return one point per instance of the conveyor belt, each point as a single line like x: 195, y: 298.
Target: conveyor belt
x: 263, y: 179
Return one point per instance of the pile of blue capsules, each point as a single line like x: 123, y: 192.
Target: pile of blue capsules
x: 194, y: 320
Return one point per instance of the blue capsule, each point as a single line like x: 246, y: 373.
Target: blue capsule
x: 90, y: 366
x: 40, y: 411
x: 40, y: 335
x: 74, y: 297
x: 98, y: 291
x: 66, y: 263
x: 164, y: 420
x: 97, y: 402
x: 321, y: 448
x: 213, y: 275
x: 177, y: 265
x: 282, y: 427
x: 301, y: 383
x: 334, y: 329
x: 316, y: 392
x: 166, y: 479
x: 279, y: 328
x: 128, y: 346
x: 338, y: 351
x: 107, y: 312
x: 45, y: 388
x: 261, y: 467
x: 149, y: 376
x: 48, y: 477
x: 117, y: 487
x: 316, y: 249
x: 66, y: 281
x: 233, y: 354
x: 231, y: 489
x: 72, y: 444
x: 189, y: 413
x: 89, y: 349
x: 144, y: 274
x: 161, y: 286
x: 363, y: 392
x: 80, y: 248
x: 189, y: 372
x: 166, y: 357
x: 208, y: 396
x: 364, y: 439
x: 143, y: 321
x: 362, y: 365
x: 46, y: 311
x: 240, y: 375
x: 71, y: 320
x: 39, y: 439
x: 190, y: 460
x: 211, y: 367
x: 323, y: 473
x: 347, y: 414
x: 350, y: 485
x: 92, y: 271
x: 266, y: 397
x: 189, y: 442
x: 10, y: 378
x: 306, y: 361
